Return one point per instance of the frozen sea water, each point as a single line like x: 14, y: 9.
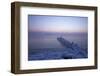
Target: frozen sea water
x: 47, y: 47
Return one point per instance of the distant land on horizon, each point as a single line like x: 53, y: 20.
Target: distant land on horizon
x: 55, y: 33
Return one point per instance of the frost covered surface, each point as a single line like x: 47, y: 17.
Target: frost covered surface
x: 71, y: 51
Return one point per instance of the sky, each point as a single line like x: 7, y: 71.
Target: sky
x: 70, y: 24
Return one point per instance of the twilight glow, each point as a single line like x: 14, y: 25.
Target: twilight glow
x: 70, y: 24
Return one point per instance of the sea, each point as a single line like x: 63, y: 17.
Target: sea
x: 41, y: 43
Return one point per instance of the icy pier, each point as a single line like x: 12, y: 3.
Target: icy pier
x: 75, y: 51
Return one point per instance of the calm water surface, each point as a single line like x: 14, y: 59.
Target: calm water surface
x: 49, y: 40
